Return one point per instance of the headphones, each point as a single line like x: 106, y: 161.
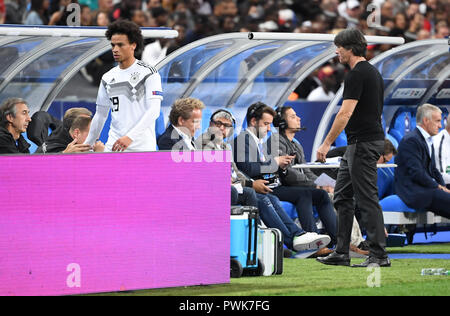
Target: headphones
x: 225, y: 111
x: 278, y: 120
x: 253, y: 109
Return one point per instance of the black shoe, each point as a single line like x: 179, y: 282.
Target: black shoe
x: 373, y: 261
x: 335, y: 259
x: 287, y: 253
x: 364, y: 245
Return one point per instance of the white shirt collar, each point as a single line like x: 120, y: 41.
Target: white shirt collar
x: 428, y: 138
x: 185, y: 137
x: 425, y: 134
x: 257, y: 140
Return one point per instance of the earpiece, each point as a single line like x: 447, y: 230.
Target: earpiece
x: 228, y: 112
x: 253, y: 109
x: 278, y: 120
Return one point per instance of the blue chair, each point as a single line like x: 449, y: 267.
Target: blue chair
x: 385, y: 181
x: 206, y: 116
x: 444, y: 117
x: 402, y: 123
x: 160, y: 126
x: 393, y: 140
x: 33, y: 146
x: 341, y: 140
x: 289, y: 209
x: 393, y: 203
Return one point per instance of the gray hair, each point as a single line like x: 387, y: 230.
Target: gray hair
x: 426, y: 110
x: 8, y: 107
x: 223, y: 114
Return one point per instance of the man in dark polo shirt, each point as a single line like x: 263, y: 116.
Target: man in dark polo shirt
x: 360, y: 115
x: 14, y: 120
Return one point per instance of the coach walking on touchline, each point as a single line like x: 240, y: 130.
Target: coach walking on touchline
x: 132, y: 91
x: 360, y: 115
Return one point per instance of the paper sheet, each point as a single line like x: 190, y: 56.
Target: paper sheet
x: 325, y: 180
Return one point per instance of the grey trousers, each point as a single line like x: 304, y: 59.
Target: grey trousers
x: 357, y: 183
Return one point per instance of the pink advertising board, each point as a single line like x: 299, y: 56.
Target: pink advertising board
x: 92, y: 223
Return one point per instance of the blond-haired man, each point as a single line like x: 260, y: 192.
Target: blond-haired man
x: 185, y: 118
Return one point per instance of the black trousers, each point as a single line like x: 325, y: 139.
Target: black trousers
x: 304, y: 198
x: 357, y: 184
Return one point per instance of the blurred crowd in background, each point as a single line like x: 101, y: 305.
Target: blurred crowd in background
x: 196, y: 19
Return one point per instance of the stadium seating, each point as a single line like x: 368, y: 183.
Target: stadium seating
x: 393, y: 140
x: 160, y: 126
x: 290, y: 209
x: 385, y: 182
x: 341, y: 140
x: 403, y: 122
x: 33, y: 146
x: 396, y: 212
x: 393, y: 203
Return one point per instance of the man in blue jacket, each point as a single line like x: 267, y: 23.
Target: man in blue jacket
x: 417, y: 181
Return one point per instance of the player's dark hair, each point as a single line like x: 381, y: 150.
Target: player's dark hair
x: 352, y: 39
x: 131, y: 30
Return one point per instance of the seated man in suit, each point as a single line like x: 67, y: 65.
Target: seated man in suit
x: 245, y: 190
x: 71, y: 135
x: 185, y: 118
x: 253, y: 160
x: 417, y: 181
x: 442, y: 152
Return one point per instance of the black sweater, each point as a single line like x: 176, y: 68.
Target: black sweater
x: 9, y: 146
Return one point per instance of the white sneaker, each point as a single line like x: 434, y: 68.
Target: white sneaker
x: 310, y: 241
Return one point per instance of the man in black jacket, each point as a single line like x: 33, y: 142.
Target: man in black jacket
x: 70, y: 137
x: 14, y: 120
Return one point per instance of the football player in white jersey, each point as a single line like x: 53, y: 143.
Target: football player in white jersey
x: 132, y: 91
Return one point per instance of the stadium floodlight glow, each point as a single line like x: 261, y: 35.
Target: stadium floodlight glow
x: 77, y: 31
x: 320, y: 37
